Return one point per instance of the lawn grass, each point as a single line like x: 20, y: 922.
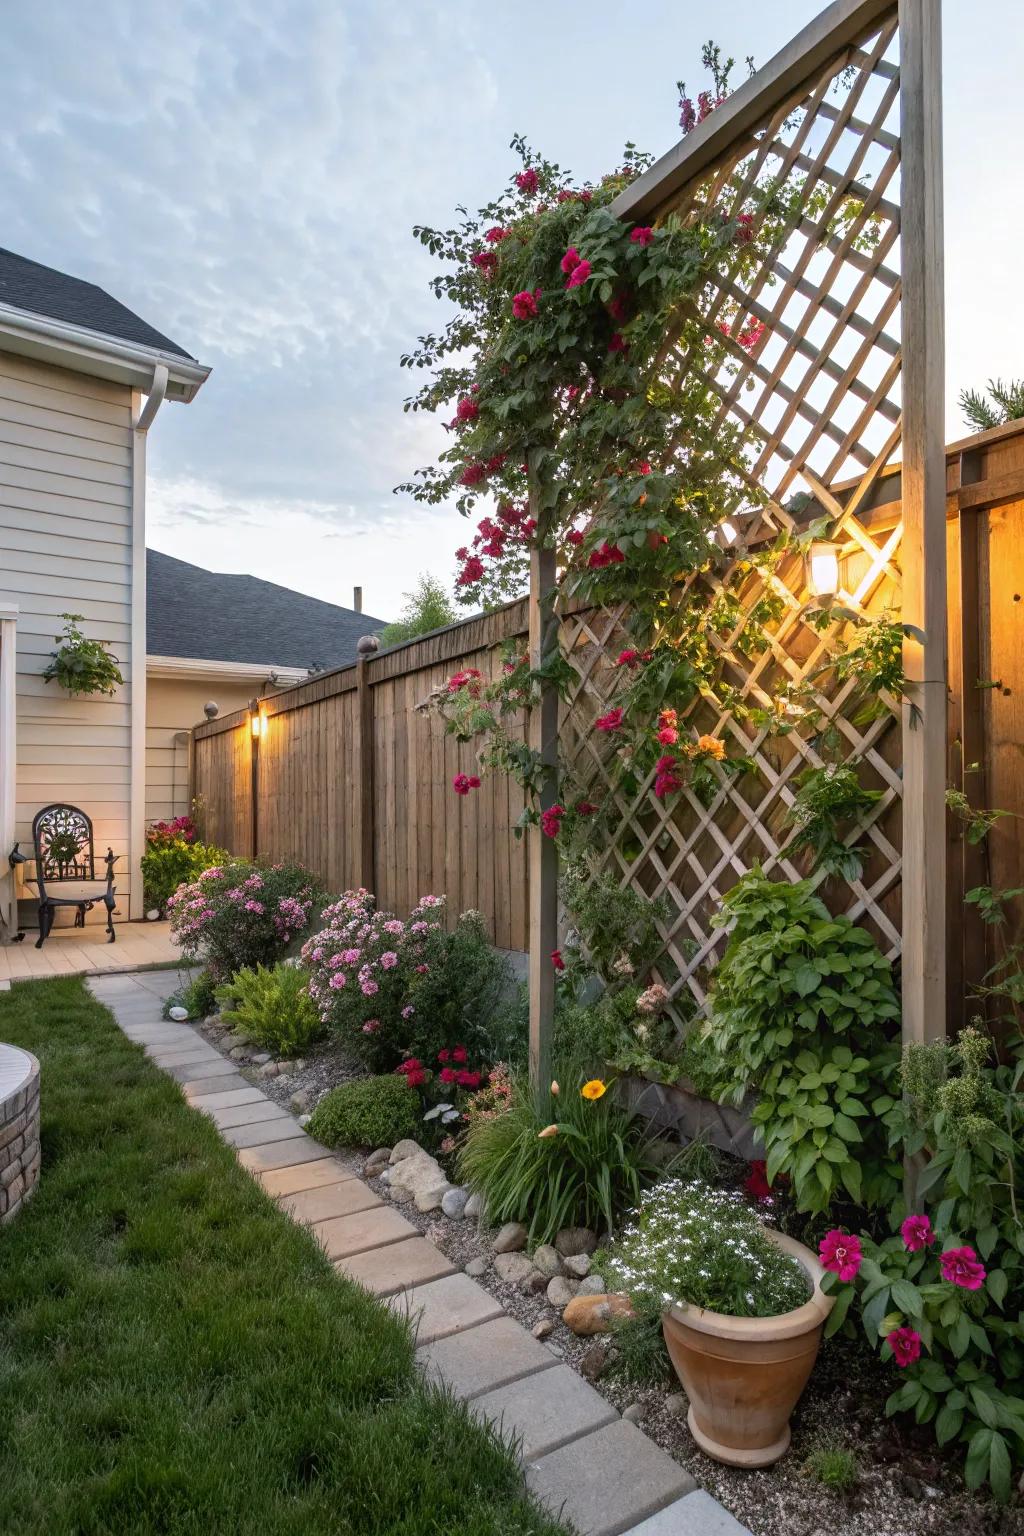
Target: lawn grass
x: 177, y: 1356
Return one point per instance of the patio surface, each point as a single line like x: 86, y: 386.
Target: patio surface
x: 82, y: 951
x: 579, y: 1457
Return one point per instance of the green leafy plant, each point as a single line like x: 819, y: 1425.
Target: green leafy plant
x: 198, y: 997
x: 427, y: 607
x: 705, y: 1247
x: 834, y: 1467
x: 977, y: 823
x: 829, y: 800
x: 802, y: 1009
x: 367, y: 1112
x: 81, y: 665
x: 579, y: 1158
x: 273, y: 1006
x: 170, y: 862
x: 618, y: 926
x: 1006, y: 403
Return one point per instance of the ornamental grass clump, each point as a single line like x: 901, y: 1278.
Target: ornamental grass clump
x: 703, y: 1247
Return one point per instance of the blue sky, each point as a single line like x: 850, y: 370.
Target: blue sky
x: 246, y: 174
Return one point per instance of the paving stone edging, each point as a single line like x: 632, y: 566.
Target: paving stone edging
x: 579, y: 1457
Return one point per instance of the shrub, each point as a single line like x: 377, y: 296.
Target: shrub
x: 273, y: 1006
x: 173, y: 858
x: 707, y: 1247
x: 198, y: 997
x: 240, y: 914
x: 801, y: 1007
x: 579, y: 1159
x: 367, y: 1112
x: 393, y: 989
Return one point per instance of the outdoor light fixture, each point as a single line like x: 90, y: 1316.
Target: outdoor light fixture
x: 823, y: 568
x: 255, y: 719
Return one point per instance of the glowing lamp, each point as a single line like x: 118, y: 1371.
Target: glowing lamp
x: 823, y: 568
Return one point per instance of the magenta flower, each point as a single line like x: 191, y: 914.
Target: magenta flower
x: 571, y: 260
x: 960, y: 1267
x: 524, y: 304
x: 917, y: 1233
x: 388, y: 960
x: 642, y: 235
x: 408, y: 1011
x: 496, y: 235
x: 578, y: 275
x: 351, y: 956
x: 528, y: 181
x: 338, y: 980
x: 371, y: 1026
x: 467, y: 410
x: 254, y: 906
x: 841, y: 1253
x: 905, y: 1344
x: 369, y: 987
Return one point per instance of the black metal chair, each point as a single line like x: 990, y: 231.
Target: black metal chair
x: 62, y: 838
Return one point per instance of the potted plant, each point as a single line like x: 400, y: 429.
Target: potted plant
x: 81, y: 665
x: 742, y: 1311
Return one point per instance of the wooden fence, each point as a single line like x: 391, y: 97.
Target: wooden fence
x: 347, y: 776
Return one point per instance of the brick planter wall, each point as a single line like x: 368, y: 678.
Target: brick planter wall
x: 19, y: 1128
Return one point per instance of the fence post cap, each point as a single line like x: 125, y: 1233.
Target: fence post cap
x: 367, y: 645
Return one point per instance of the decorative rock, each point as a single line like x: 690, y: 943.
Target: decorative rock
x: 593, y: 1285
x: 420, y: 1175
x: 535, y: 1282
x: 634, y: 1413
x: 561, y: 1291
x: 476, y: 1268
x: 453, y: 1202
x: 375, y: 1162
x: 300, y: 1101
x: 511, y: 1238
x: 587, y: 1315
x: 430, y: 1197
x: 593, y: 1362
x: 260, y: 1057
x: 403, y: 1149
x: 676, y: 1404
x: 304, y: 1120
x: 285, y: 1068
x: 300, y: 1063
x: 541, y: 1329
x: 474, y: 1206
x: 578, y: 1265
x: 512, y: 1267
x: 573, y: 1240
x: 548, y: 1260
x: 239, y: 1053
x: 239, y: 1037
x: 268, y: 1069
x: 178, y: 1013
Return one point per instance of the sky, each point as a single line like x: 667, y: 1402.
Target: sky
x: 245, y: 174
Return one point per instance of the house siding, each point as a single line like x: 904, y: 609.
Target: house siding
x: 173, y: 707
x: 66, y: 510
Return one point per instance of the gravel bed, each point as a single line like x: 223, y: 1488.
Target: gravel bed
x: 904, y: 1489
x: 324, y: 1066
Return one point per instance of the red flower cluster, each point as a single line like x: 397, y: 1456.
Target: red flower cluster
x: 607, y: 554
x: 632, y: 659
x: 528, y: 181
x: 586, y: 808
x: 666, y: 776
x: 463, y: 783
x: 570, y: 261
x: 467, y: 410
x: 510, y: 522
x: 748, y: 337
x: 524, y: 304
x: 612, y: 721
x: 485, y: 260
x: 577, y: 274
x: 551, y: 820
x: 472, y: 571
x: 642, y: 235
x: 469, y: 678
x: 458, y: 1073
x: 617, y: 343
x: 473, y: 474
x: 556, y: 960
x: 744, y: 229
x: 668, y: 732
x: 575, y: 536
x: 568, y: 195
x: 412, y: 1071
x: 497, y: 234
x: 690, y: 116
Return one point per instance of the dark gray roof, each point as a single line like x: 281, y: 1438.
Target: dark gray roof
x: 197, y: 613
x: 44, y: 291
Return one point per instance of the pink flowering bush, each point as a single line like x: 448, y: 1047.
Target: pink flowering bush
x: 399, y: 990
x: 240, y: 914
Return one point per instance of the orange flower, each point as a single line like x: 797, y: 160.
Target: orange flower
x: 595, y: 1089
x: 549, y: 1130
x: 713, y: 746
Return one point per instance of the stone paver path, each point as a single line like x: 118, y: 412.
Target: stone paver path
x: 587, y: 1464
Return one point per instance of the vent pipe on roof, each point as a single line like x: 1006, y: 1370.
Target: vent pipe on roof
x: 357, y: 599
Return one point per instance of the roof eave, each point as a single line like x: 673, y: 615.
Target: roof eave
x: 194, y: 668
x: 92, y: 352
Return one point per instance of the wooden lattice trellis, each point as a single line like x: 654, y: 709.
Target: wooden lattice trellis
x: 838, y: 386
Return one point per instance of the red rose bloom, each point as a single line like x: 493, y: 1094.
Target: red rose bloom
x: 574, y: 536
x: 524, y: 304
x: 917, y: 1233
x: 485, y: 260
x: 472, y: 571
x: 467, y: 410
x: 960, y: 1267
x: 556, y: 960
x: 642, y: 235
x: 571, y: 260
x: 473, y: 474
x: 528, y: 181
x: 612, y: 721
x: 841, y: 1253
x: 497, y: 234
x: 448, y: 1075
x: 578, y: 275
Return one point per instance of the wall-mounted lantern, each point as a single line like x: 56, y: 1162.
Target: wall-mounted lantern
x: 823, y: 568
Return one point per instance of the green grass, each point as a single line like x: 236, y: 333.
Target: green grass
x: 834, y: 1467
x: 178, y: 1357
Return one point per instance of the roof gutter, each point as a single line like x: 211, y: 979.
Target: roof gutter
x: 102, y: 356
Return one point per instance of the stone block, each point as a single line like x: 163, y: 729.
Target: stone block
x: 485, y: 1357
x: 608, y: 1481
x: 396, y: 1267
x: 342, y: 1199
x: 546, y: 1410
x: 696, y: 1514
x: 341, y: 1236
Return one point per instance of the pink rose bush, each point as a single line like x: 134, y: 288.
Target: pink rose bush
x: 397, y: 990
x: 239, y: 914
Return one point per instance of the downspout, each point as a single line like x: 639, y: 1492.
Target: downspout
x: 137, y: 806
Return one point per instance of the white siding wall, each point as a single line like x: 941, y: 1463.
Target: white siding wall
x: 66, y: 546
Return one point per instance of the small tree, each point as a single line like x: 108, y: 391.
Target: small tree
x: 1006, y: 404
x: 427, y: 607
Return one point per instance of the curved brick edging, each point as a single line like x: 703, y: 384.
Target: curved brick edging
x: 19, y: 1128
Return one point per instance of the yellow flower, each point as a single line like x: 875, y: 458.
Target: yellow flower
x: 554, y: 1089
x: 549, y: 1130
x: 712, y: 746
x: 595, y: 1089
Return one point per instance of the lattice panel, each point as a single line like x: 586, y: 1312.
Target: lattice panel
x: 810, y: 369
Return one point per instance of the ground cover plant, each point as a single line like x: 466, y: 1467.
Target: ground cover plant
x: 272, y: 1006
x: 180, y: 1357
x: 368, y: 1112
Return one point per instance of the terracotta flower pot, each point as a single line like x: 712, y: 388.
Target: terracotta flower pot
x: 744, y: 1375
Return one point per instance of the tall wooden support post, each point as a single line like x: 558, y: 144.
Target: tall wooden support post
x: 366, y: 647
x: 255, y: 724
x: 543, y: 851
x: 924, y: 514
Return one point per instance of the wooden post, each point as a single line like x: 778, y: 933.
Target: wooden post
x: 968, y: 924
x: 366, y: 648
x: 254, y: 776
x: 924, y: 515
x: 543, y: 851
